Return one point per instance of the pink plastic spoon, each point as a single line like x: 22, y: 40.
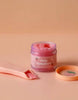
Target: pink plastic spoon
x: 28, y: 74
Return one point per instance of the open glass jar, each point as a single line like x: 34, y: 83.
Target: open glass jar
x: 43, y: 56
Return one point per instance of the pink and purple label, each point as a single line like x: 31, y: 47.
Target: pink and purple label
x: 43, y: 62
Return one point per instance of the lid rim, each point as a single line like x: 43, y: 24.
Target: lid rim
x: 67, y: 78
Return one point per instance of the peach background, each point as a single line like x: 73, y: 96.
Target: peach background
x: 38, y: 16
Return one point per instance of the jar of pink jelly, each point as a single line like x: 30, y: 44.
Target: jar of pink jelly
x: 43, y: 56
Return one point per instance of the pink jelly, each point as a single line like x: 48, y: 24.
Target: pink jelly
x: 43, y: 56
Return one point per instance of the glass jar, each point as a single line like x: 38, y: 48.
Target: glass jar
x: 43, y: 56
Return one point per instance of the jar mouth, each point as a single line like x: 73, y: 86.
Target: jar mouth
x: 43, y: 46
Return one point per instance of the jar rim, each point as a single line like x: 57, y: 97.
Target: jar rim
x: 52, y: 47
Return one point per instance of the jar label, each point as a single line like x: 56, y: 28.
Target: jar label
x: 43, y: 62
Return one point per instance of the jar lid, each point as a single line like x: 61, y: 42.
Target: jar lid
x: 67, y: 72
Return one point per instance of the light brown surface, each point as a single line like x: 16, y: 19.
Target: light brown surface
x: 15, y: 49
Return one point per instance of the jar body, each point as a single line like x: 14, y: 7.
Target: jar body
x: 44, y: 61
